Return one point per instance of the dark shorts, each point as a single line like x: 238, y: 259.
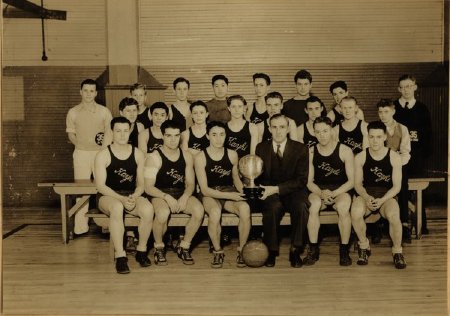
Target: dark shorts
x: 222, y: 189
x: 124, y: 193
x: 176, y: 193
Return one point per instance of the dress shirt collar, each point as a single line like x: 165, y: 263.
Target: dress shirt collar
x: 282, y: 147
x: 403, y: 102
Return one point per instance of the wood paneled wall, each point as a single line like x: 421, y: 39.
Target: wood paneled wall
x: 80, y: 40
x: 221, y: 32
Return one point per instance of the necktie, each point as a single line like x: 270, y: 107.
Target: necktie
x: 279, y: 154
x: 406, y: 105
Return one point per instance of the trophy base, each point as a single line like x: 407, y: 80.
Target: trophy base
x: 253, y: 194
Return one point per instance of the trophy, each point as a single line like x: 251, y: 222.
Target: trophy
x: 251, y: 166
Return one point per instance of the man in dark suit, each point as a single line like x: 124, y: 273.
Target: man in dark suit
x: 284, y: 180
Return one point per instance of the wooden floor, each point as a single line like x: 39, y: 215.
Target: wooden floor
x: 43, y: 276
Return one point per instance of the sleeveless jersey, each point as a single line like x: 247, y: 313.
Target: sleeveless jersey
x: 144, y: 118
x: 153, y: 143
x: 377, y: 175
x: 338, y: 117
x: 133, y: 139
x: 256, y: 117
x: 197, y: 143
x: 267, y: 135
x: 219, y: 173
x: 121, y: 174
x: 178, y: 118
x: 393, y: 141
x: 353, y: 138
x: 308, y: 139
x: 171, y: 175
x: 329, y: 171
x: 239, y: 141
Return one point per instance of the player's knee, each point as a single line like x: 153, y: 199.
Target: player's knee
x: 162, y: 214
x: 214, y: 216
x: 116, y: 211
x: 244, y: 211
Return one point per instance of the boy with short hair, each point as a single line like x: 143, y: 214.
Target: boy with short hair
x: 128, y: 108
x: 194, y: 139
x: 338, y: 90
x: 314, y: 109
x: 218, y: 177
x: 87, y: 124
x: 257, y: 112
x: 152, y: 138
x: 217, y: 106
x: 138, y: 91
x: 180, y: 111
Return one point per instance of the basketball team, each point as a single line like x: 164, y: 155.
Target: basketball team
x: 155, y: 161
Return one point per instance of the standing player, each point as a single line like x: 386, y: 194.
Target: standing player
x: 339, y: 91
x: 257, y: 112
x: 217, y: 106
x: 242, y: 136
x: 180, y: 111
x: 378, y: 177
x: 194, y: 139
x: 120, y: 183
x: 138, y: 92
x: 314, y: 109
x: 128, y: 108
x: 86, y: 125
x: 218, y: 177
x: 416, y: 117
x: 152, y: 138
x: 170, y: 181
x: 329, y: 180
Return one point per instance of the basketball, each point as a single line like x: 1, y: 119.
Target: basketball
x: 255, y: 253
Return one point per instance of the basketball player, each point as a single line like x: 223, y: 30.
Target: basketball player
x: 257, y: 112
x: 170, y: 181
x: 180, y: 111
x: 119, y: 180
x: 378, y: 177
x: 138, y: 91
x: 314, y: 109
x: 339, y: 91
x: 242, y: 136
x: 86, y: 125
x: 194, y: 139
x: 218, y: 177
x: 274, y: 103
x: 329, y: 180
x: 217, y: 106
x: 152, y: 138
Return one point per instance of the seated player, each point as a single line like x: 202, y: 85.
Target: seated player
x: 170, y: 182
x: 274, y: 103
x: 351, y: 130
x: 339, y: 91
x: 218, y: 177
x: 151, y: 138
x: 242, y: 136
x: 378, y: 177
x: 194, y: 139
x: 257, y: 112
x: 314, y: 109
x: 399, y: 141
x: 119, y: 179
x: 330, y: 178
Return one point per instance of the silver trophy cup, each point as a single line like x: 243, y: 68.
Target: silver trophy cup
x: 251, y: 166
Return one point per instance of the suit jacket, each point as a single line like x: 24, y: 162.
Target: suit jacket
x: 294, y: 165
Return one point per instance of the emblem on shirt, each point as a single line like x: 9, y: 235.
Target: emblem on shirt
x: 121, y: 172
x: 325, y: 166
x: 237, y: 146
x: 99, y: 138
x: 414, y: 136
x: 154, y: 147
x: 197, y: 146
x: 220, y: 171
x: 175, y: 175
x: 311, y: 143
x: 350, y: 142
x: 381, y: 177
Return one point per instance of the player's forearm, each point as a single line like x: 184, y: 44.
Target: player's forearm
x: 347, y: 186
x: 107, y: 191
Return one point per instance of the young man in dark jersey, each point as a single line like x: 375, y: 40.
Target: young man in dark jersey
x: 378, y: 177
x: 180, y: 111
x: 314, y: 109
x: 217, y: 106
x: 119, y: 178
x: 416, y: 117
x: 242, y: 136
x: 221, y: 187
x: 152, y: 138
x: 139, y: 93
x: 257, y: 112
x: 339, y: 91
x: 330, y: 179
x: 194, y: 139
x: 170, y: 181
x: 398, y: 140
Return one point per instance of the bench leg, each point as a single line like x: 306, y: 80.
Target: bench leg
x: 111, y: 249
x: 65, y: 202
x: 419, y: 215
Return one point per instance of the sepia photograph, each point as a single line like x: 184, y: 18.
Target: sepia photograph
x: 224, y: 157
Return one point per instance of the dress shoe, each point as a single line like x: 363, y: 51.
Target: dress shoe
x: 270, y: 262
x: 313, y: 255
x: 294, y: 258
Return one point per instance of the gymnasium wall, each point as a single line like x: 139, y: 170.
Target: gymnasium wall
x: 365, y: 44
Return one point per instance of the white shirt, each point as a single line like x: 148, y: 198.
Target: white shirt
x: 403, y: 102
x: 282, y: 146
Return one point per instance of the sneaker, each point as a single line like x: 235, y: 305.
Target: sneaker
x: 399, y: 261
x: 122, y: 266
x: 406, y: 235
x: 240, y: 263
x: 160, y: 257
x: 312, y: 256
x: 344, y: 256
x: 142, y: 259
x: 185, y: 256
x: 130, y: 246
x: 363, y: 256
x: 217, y: 259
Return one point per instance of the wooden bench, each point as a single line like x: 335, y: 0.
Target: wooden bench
x: 83, y: 189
